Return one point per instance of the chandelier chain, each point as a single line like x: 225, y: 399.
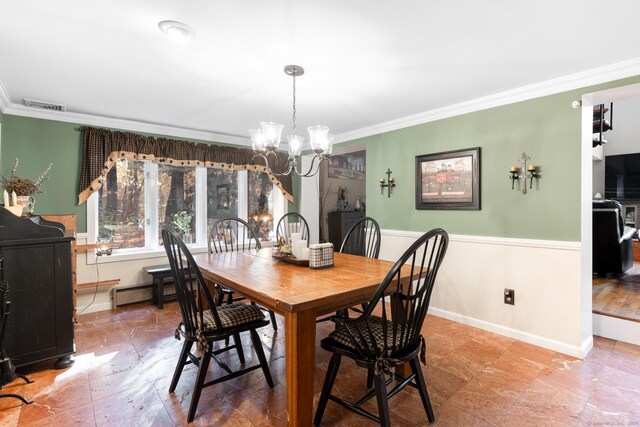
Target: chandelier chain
x: 294, y: 104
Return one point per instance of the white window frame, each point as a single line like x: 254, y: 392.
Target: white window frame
x: 151, y: 216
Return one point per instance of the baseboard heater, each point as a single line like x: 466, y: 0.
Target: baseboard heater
x: 139, y: 293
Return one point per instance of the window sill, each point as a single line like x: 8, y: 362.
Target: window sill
x: 133, y: 254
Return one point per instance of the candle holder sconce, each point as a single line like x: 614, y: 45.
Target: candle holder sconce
x: 389, y: 183
x: 524, y: 174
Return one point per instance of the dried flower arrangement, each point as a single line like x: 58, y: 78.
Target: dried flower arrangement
x: 25, y: 186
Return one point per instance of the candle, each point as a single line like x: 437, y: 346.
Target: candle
x: 532, y: 168
x: 295, y: 237
x: 5, y: 196
x: 305, y: 253
x: 301, y: 246
x: 14, y: 198
x: 513, y: 169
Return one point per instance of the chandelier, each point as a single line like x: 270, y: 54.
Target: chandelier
x: 265, y: 141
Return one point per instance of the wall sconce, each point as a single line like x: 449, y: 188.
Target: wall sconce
x: 528, y: 173
x: 389, y: 183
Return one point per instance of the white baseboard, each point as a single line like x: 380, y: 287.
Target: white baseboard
x: 616, y: 329
x: 92, y: 308
x: 547, y: 343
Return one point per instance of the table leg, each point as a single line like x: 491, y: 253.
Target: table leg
x: 300, y: 336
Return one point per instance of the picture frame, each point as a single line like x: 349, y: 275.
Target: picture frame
x: 348, y: 166
x: 449, y: 180
x: 222, y: 192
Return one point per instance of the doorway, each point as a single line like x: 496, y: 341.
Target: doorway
x: 342, y: 184
x: 615, y: 299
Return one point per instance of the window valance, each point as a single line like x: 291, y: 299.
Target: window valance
x: 102, y: 147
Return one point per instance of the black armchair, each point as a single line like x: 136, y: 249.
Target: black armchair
x: 612, y: 241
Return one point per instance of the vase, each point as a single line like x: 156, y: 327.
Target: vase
x: 28, y: 204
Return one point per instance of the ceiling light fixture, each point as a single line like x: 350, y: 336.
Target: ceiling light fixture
x: 265, y: 140
x: 177, y: 31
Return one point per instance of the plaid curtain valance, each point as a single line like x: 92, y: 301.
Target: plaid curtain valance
x: 102, y: 147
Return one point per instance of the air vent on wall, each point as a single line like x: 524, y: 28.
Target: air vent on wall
x: 44, y: 105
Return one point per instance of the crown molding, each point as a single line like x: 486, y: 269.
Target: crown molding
x: 604, y: 74
x: 127, y: 125
x: 583, y: 79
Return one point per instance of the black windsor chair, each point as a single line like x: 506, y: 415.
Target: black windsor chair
x: 204, y: 323
x: 362, y: 239
x: 292, y: 222
x: 234, y: 235
x: 379, y: 343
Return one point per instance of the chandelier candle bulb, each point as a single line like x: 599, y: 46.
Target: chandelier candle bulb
x: 513, y: 169
x: 532, y: 167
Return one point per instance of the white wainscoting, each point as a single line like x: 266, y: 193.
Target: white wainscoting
x: 545, y: 276
x: 129, y: 272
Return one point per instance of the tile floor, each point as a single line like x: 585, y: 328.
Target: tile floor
x: 125, y: 359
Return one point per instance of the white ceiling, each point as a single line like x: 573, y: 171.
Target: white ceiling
x: 367, y: 62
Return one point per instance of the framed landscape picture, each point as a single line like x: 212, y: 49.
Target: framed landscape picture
x: 348, y: 166
x: 448, y: 180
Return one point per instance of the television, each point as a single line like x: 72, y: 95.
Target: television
x: 622, y: 177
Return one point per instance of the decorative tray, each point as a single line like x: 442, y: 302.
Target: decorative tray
x: 290, y: 259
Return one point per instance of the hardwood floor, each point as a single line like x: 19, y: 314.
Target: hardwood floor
x: 125, y: 359
x: 618, y: 296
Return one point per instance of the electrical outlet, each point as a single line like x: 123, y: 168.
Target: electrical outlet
x: 509, y: 296
x: 103, y: 250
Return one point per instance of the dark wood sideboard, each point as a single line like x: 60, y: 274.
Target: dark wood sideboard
x: 339, y: 223
x: 35, y: 261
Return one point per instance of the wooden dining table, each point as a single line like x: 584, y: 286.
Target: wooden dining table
x: 300, y: 294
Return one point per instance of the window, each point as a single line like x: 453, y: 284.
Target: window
x: 222, y: 198
x: 260, y: 201
x: 121, y: 205
x: 138, y: 198
x: 177, y: 200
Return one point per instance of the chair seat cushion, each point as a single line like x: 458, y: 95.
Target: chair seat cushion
x: 375, y: 325
x: 232, y: 315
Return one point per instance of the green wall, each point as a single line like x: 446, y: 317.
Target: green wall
x: 548, y: 129
x: 38, y: 142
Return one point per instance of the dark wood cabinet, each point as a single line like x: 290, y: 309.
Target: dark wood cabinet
x: 36, y: 263
x: 339, y: 224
